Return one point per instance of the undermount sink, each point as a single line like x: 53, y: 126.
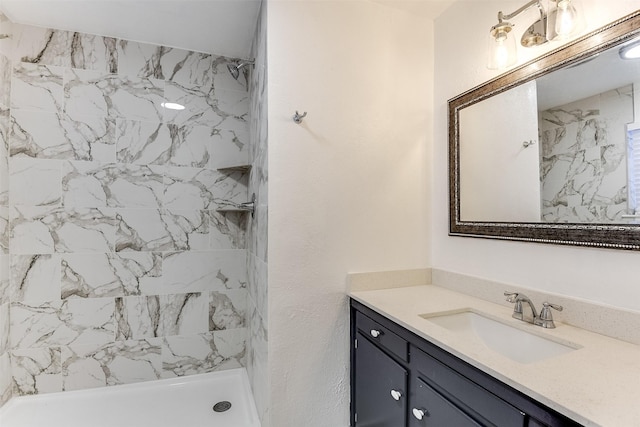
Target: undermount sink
x: 516, y: 344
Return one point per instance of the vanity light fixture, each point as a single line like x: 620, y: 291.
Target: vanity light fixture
x: 560, y: 21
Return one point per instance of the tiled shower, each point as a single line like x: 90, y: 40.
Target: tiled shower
x: 123, y: 259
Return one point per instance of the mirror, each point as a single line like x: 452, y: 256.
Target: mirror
x: 550, y: 152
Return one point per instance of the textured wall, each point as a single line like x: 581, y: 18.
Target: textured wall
x: 257, y: 349
x: 121, y: 268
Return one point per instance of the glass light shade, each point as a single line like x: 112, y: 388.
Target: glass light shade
x: 566, y: 18
x: 502, y: 48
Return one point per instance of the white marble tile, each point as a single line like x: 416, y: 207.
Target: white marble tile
x: 5, y: 130
x: 102, y: 275
x: 204, y: 271
x: 257, y: 285
x: 200, y: 106
x: 99, y: 94
x: 57, y: 136
x: 64, y: 48
x: 7, y: 27
x: 121, y: 362
x: 35, y: 278
x: 4, y: 328
x: 35, y: 182
x: 192, y: 188
x: 230, y: 145
x: 6, y: 380
x: 227, y: 309
x: 191, y: 144
x: 228, y: 230
x: 42, y: 230
x: 233, y: 105
x: 5, y: 289
x: 36, y: 370
x: 4, y: 230
x: 162, y: 230
x: 88, y: 184
x: 196, y: 354
x: 78, y: 321
x: 146, y: 143
x: 37, y: 87
x: 164, y: 315
x: 164, y: 63
x: 5, y: 83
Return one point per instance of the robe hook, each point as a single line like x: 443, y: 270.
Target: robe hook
x: 297, y: 117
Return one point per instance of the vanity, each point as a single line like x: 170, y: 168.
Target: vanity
x: 414, y: 364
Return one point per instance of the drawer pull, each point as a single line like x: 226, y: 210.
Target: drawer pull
x: 419, y: 413
x: 396, y: 394
x: 375, y: 333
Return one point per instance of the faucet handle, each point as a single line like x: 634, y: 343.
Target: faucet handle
x: 511, y: 296
x: 546, y: 318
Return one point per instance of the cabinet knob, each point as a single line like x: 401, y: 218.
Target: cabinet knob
x: 419, y: 413
x: 396, y: 394
x: 375, y: 333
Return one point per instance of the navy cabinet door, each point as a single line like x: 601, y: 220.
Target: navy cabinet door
x: 430, y: 409
x: 380, y: 387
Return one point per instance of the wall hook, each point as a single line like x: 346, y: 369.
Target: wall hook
x: 527, y: 144
x: 297, y: 117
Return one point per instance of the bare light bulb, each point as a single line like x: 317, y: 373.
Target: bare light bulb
x: 502, y: 48
x: 566, y: 18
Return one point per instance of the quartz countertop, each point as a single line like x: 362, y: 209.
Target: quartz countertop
x: 597, y: 384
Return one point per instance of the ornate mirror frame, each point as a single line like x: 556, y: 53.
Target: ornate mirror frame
x: 615, y: 236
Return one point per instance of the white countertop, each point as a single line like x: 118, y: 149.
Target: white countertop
x: 595, y: 385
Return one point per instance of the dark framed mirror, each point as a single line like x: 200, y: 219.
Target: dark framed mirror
x: 550, y: 151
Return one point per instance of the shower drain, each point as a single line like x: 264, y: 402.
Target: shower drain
x: 222, y: 406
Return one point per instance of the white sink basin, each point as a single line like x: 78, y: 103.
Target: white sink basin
x: 515, y: 343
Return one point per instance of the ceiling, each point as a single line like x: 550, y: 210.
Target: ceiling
x: 222, y: 27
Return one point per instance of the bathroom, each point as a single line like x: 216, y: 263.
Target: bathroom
x: 361, y: 184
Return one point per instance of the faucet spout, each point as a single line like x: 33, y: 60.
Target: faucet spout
x: 518, y: 311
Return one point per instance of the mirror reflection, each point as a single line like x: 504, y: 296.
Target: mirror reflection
x: 564, y: 148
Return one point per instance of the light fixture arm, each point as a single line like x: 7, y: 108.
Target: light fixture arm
x: 508, y: 17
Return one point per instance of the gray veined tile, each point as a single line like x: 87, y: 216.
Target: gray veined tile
x: 42, y: 230
x: 162, y: 230
x: 65, y: 48
x: 145, y: 143
x: 4, y: 160
x: 79, y: 321
x: 4, y: 328
x: 230, y: 145
x: 49, y: 135
x: 200, y: 105
x: 227, y: 309
x: 102, y: 275
x: 87, y: 184
x: 35, y: 182
x: 120, y: 362
x: 197, y: 354
x: 37, y: 87
x: 5, y: 83
x: 157, y: 316
x: 164, y: 63
x: 192, y: 188
x: 36, y: 370
x: 204, y: 271
x: 6, y: 380
x: 35, y: 278
x: 5, y: 291
x: 228, y: 230
x: 99, y: 94
x: 4, y: 230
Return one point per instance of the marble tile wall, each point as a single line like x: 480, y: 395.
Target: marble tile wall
x: 257, y: 302
x: 6, y: 388
x: 583, y: 158
x: 121, y: 268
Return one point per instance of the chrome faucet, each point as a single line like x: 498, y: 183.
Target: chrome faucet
x: 545, y: 319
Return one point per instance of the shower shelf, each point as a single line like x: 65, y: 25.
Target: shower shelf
x: 237, y: 168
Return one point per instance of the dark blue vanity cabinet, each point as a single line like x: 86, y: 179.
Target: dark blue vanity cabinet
x: 401, y: 380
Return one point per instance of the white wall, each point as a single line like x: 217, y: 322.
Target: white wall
x: 605, y: 276
x: 348, y: 189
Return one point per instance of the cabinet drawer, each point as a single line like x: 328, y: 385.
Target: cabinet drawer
x: 382, y: 336
x: 478, y: 402
x: 436, y: 411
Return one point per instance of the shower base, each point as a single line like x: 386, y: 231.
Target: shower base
x: 186, y: 401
